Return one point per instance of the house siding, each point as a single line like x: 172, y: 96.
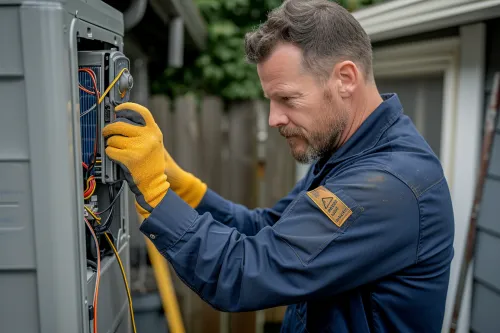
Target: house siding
x: 485, y: 316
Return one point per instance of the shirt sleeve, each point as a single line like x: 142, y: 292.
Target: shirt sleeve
x: 356, y: 228
x: 246, y: 221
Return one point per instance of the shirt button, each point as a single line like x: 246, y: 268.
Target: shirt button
x: 152, y: 236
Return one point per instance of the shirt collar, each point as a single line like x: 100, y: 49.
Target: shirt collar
x: 369, y: 133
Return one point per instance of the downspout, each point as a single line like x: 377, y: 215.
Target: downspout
x: 134, y: 13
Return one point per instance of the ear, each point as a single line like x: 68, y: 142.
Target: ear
x: 348, y: 77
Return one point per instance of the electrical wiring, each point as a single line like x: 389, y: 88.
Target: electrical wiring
x: 94, y: 81
x: 100, y: 97
x: 98, y: 274
x: 111, y: 86
x: 114, y: 200
x: 88, y: 111
x: 90, y: 184
x: 90, y: 187
x: 93, y: 76
x: 104, y: 227
x: 86, y: 90
x: 92, y: 264
x: 124, y: 276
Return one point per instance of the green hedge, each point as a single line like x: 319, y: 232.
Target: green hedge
x: 221, y: 69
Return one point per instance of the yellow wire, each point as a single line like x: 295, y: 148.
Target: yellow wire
x: 93, y: 190
x: 98, y: 219
x: 93, y: 214
x: 111, y: 86
x: 124, y: 280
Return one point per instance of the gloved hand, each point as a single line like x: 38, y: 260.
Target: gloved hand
x: 135, y: 143
x: 188, y: 187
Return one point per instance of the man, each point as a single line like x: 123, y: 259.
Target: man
x: 363, y: 243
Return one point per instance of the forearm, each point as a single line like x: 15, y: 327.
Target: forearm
x: 223, y: 266
x: 246, y: 221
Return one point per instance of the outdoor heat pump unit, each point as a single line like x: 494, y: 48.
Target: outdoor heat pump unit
x: 64, y: 206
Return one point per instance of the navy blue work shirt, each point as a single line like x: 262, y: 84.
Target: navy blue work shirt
x: 363, y: 243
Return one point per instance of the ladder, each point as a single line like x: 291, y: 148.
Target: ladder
x: 487, y: 145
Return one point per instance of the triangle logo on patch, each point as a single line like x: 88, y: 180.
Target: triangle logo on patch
x: 327, y: 201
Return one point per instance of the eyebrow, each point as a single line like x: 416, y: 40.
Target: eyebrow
x: 283, y: 92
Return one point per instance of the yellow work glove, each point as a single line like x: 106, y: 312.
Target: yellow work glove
x: 135, y: 143
x: 188, y: 187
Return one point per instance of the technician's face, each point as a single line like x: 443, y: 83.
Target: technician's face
x: 310, y: 116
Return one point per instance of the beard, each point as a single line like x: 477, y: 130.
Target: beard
x: 324, y: 140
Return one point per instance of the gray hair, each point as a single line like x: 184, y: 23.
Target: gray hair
x: 325, y: 32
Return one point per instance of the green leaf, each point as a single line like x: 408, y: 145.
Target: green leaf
x: 224, y: 28
x: 221, y: 69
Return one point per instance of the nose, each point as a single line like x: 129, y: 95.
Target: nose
x: 277, y: 116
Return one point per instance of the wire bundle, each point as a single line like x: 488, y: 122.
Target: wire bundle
x: 115, y: 251
x: 90, y: 188
x: 90, y: 183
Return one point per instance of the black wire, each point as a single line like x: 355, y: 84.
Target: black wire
x: 114, y: 200
x: 111, y: 192
x: 92, y: 264
x: 103, y: 227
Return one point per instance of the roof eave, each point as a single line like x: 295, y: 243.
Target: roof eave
x: 400, y: 18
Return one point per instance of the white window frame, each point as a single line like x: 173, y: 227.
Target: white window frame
x: 438, y: 56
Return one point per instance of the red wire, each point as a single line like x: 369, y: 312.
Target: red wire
x: 98, y: 277
x: 93, y: 77
x: 86, y: 90
x: 91, y: 187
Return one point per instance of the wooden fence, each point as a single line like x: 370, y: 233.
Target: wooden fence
x: 236, y: 153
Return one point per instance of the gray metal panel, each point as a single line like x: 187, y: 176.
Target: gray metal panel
x: 124, y: 325
x: 98, y: 13
x: 13, y: 130
x: 18, y: 303
x: 487, y: 250
x: 20, y: 2
x: 53, y: 182
x: 16, y: 219
x: 11, y: 60
x: 42, y: 234
x: 485, y: 316
x: 488, y: 214
x: 495, y: 157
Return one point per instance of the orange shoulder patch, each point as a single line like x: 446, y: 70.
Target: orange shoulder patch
x: 331, y: 205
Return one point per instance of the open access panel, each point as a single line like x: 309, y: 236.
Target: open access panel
x: 104, y: 82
